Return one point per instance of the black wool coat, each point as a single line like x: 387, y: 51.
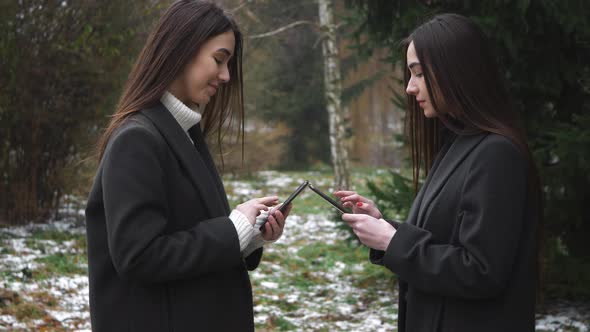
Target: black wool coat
x: 465, y: 257
x: 162, y: 253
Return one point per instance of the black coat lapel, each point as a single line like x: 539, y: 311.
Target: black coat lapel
x: 189, y: 157
x: 416, y: 206
x: 458, y: 151
x: 201, y: 145
x: 413, y: 214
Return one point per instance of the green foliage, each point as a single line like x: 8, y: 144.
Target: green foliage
x: 62, y: 66
x: 282, y: 79
x: 567, y: 154
x: 393, y: 195
x: 543, y: 47
x: 569, y: 275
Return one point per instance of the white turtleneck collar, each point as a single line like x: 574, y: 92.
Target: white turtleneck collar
x: 185, y: 116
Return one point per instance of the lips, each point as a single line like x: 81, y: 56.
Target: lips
x: 212, y: 88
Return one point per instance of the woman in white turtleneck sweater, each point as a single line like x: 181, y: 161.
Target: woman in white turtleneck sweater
x: 165, y: 251
x: 244, y: 216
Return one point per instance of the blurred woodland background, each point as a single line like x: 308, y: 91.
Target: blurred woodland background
x: 63, y: 64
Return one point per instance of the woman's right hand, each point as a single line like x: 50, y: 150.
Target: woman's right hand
x: 358, y: 203
x: 251, y: 209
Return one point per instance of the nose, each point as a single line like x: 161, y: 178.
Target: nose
x: 224, y: 74
x: 412, y: 88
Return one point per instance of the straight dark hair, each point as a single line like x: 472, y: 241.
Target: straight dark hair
x: 183, y: 28
x: 469, y: 94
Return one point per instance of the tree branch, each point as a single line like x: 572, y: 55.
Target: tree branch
x: 281, y: 29
x: 240, y: 6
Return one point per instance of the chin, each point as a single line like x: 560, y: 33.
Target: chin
x: 201, y: 100
x: 429, y: 113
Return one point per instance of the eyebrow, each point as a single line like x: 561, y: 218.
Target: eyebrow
x: 413, y: 64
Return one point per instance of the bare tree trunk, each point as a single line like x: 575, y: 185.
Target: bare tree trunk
x: 333, y: 92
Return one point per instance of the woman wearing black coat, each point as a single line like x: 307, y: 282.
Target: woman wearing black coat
x: 165, y: 251
x: 466, y: 256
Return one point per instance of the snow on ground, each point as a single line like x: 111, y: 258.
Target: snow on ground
x: 309, y: 229
x: 333, y: 304
x: 565, y: 317
x: 292, y: 291
x: 18, y: 261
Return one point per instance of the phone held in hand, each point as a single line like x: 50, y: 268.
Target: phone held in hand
x: 288, y: 201
x: 328, y: 199
x: 292, y: 196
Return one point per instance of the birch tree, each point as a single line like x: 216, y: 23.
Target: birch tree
x: 333, y: 94
x: 337, y: 114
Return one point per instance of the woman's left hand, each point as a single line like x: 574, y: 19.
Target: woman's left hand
x: 372, y: 232
x: 275, y: 225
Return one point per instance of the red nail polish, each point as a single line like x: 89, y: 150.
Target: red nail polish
x: 359, y: 204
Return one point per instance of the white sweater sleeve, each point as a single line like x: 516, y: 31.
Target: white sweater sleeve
x: 257, y: 242
x: 243, y: 227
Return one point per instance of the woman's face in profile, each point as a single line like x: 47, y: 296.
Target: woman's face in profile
x: 417, y: 85
x: 206, y: 71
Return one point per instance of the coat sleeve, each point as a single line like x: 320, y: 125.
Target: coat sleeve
x: 134, y: 195
x: 253, y: 259
x: 492, y: 205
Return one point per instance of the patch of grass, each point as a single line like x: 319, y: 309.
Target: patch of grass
x: 28, y: 311
x: 308, y: 203
x: 6, y: 250
x: 9, y: 276
x: 8, y: 298
x: 373, y: 274
x: 24, y: 311
x: 275, y: 323
x: 14, y: 305
x: 324, y: 256
x: 40, y: 241
x: 351, y: 300
x: 60, y: 264
x: 36, y: 244
x: 305, y: 280
x: 286, y: 261
x: 51, y: 234
x: 286, y: 306
x: 80, y: 243
x: 44, y: 298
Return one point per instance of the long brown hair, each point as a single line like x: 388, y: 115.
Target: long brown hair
x: 465, y: 86
x: 183, y: 28
x: 469, y: 94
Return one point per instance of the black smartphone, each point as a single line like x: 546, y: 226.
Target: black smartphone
x: 328, y: 199
x: 289, y: 200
